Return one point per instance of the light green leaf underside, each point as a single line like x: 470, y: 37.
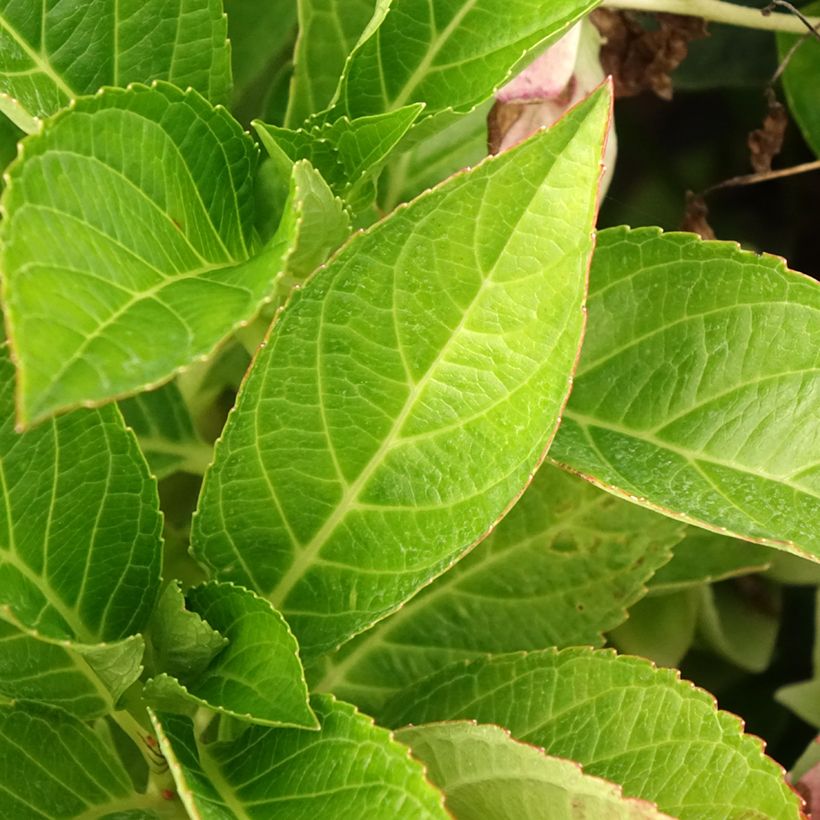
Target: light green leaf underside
x: 449, y: 54
x: 165, y: 432
x: 800, y: 81
x: 55, y: 766
x: 256, y: 677
x: 704, y: 557
x: 80, y: 550
x: 408, y: 391
x: 486, y: 775
x: 559, y: 570
x: 328, y: 31
x: 698, y: 390
x: 180, y: 642
x: 55, y: 52
x: 86, y: 681
x: 349, y: 768
x: 622, y: 719
x: 348, y: 153
x: 133, y: 211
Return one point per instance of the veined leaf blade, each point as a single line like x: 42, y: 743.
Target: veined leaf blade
x: 698, y: 391
x: 660, y: 738
x: 371, y: 444
x: 53, y: 53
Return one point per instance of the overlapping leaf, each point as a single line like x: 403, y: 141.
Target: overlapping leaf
x: 486, y: 775
x: 166, y: 432
x: 328, y: 31
x: 349, y: 768
x: 703, y: 557
x: 80, y: 553
x: 408, y: 392
x: 256, y: 675
x: 698, y: 390
x: 55, y: 52
x: 558, y: 570
x: 348, y: 153
x: 660, y: 738
x: 448, y: 54
x: 55, y: 766
x: 130, y: 232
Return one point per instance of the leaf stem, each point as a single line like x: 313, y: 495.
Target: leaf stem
x: 142, y: 740
x: 719, y: 11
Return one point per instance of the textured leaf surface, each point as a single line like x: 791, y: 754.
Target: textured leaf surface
x: 166, y: 432
x: 409, y: 390
x: 257, y: 676
x: 449, y: 54
x: 624, y: 720
x: 55, y: 52
x: 328, y: 31
x: 800, y: 81
x: 86, y: 681
x: 348, y: 153
x: 704, y: 557
x: 698, y: 390
x: 132, y: 211
x: 181, y: 642
x: 558, y: 570
x: 349, y: 768
x: 55, y: 766
x: 80, y: 553
x: 486, y: 775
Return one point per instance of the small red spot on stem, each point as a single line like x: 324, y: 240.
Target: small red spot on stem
x: 168, y: 794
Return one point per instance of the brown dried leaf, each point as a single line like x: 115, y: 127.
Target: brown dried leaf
x: 695, y: 217
x: 639, y: 59
x: 808, y: 787
x: 765, y: 143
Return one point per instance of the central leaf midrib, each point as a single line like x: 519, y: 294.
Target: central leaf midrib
x: 38, y: 59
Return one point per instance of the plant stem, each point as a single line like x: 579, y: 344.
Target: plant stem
x: 139, y: 734
x: 719, y: 11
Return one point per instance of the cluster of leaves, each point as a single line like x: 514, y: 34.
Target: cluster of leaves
x: 375, y: 529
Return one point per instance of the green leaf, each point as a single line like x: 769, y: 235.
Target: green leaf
x: 486, y: 775
x: 623, y: 719
x: 803, y: 698
x: 86, y: 681
x: 81, y: 553
x: 256, y: 677
x: 134, y: 210
x: 698, y: 391
x: 328, y: 31
x: 800, y: 81
x: 660, y: 628
x: 55, y: 766
x: 740, y: 622
x: 55, y: 52
x: 559, y: 569
x: 448, y: 54
x: 181, y: 642
x: 349, y: 768
x: 348, y: 153
x: 408, y: 391
x: 166, y: 432
x: 461, y: 144
x: 703, y: 557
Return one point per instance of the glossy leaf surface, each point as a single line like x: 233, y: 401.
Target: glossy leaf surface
x: 698, y: 390
x: 348, y: 768
x: 132, y: 211
x: 560, y: 569
x: 408, y: 391
x: 486, y: 775
x: 658, y: 737
x: 55, y: 52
